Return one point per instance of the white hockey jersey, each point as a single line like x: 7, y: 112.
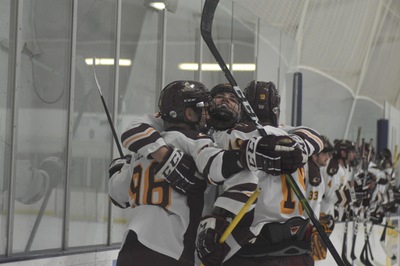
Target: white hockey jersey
x: 163, y: 219
x: 335, y: 176
x: 276, y: 202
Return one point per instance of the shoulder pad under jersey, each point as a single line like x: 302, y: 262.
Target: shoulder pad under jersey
x: 333, y: 167
x: 314, y: 174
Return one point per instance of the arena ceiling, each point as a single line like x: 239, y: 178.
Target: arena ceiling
x: 356, y: 43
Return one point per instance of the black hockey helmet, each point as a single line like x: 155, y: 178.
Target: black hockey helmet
x: 384, y: 159
x: 265, y: 100
x: 221, y: 116
x: 179, y: 95
x: 343, y: 145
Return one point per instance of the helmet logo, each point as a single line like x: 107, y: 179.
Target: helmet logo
x: 263, y: 96
x: 188, y: 87
x: 173, y: 114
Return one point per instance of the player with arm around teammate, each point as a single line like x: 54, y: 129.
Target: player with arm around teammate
x: 279, y: 231
x: 143, y: 137
x: 167, y: 196
x: 162, y: 227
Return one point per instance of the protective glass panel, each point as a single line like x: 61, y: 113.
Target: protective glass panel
x: 182, y: 47
x: 243, y: 45
x: 91, y: 134
x: 4, y: 112
x: 137, y: 83
x: 221, y: 33
x: 41, y: 121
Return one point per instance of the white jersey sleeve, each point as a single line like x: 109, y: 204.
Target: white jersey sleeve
x: 310, y: 139
x: 118, y: 184
x: 142, y: 135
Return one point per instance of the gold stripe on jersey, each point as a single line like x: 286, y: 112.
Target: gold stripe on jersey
x: 312, y: 136
x: 288, y: 204
x: 302, y: 179
x: 127, y: 142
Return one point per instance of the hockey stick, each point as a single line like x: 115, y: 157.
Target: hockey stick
x: 387, y: 250
x: 107, y: 112
x: 207, y: 18
x: 369, y: 242
x: 238, y: 217
x: 367, y: 247
x: 355, y: 217
x: 353, y: 244
x: 48, y: 189
x: 344, y: 246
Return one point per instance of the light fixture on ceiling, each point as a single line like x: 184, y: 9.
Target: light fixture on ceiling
x: 170, y: 5
x: 215, y: 67
x: 107, y: 62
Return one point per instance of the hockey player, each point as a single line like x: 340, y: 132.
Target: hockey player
x: 162, y: 228
x: 314, y: 181
x: 164, y: 220
x: 150, y: 143
x: 281, y: 234
x: 315, y: 191
x: 337, y: 175
x: 265, y: 101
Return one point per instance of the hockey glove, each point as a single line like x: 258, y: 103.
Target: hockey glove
x: 116, y: 164
x: 179, y: 170
x: 272, y: 154
x: 208, y: 248
x: 327, y: 221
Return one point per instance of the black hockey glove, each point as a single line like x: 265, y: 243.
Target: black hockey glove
x: 179, y: 170
x: 208, y: 248
x: 274, y: 155
x: 116, y: 164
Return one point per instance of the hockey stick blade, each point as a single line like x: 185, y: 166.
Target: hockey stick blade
x: 387, y: 250
x: 207, y: 18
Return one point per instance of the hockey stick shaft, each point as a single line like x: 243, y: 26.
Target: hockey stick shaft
x: 239, y: 216
x: 353, y: 243
x: 383, y: 236
x: 206, y: 29
x: 344, y: 246
x: 107, y: 112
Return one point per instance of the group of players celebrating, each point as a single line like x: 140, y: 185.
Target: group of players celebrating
x: 201, y: 141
